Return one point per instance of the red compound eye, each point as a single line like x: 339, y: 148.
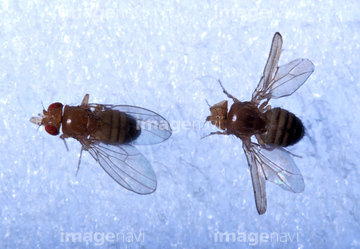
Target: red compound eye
x: 52, y: 129
x: 55, y: 106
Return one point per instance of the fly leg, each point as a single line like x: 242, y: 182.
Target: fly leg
x: 85, y: 100
x: 228, y: 94
x: 216, y: 133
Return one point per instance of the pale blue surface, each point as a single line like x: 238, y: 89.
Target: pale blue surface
x: 167, y: 57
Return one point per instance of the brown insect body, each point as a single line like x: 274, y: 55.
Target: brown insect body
x: 108, y: 133
x: 78, y: 122
x: 273, y: 128
x: 283, y: 128
x: 107, y: 126
x: 245, y: 120
x: 117, y: 127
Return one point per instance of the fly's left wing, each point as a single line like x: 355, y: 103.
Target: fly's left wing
x: 258, y: 179
x: 280, y: 168
x: 126, y: 165
x: 274, y: 164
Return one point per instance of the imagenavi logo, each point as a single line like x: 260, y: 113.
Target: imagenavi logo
x: 99, y: 238
x: 254, y: 238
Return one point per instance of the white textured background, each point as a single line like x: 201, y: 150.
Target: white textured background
x: 167, y: 56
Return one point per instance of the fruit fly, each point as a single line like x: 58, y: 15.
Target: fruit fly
x: 109, y: 133
x: 273, y: 128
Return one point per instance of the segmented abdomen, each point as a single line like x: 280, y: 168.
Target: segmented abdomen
x: 118, y: 127
x: 283, y: 128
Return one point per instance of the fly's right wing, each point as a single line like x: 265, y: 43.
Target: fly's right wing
x: 289, y: 78
x: 274, y: 164
x: 282, y: 81
x: 154, y: 128
x: 270, y: 68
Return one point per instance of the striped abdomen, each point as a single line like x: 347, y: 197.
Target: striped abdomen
x: 117, y: 127
x: 283, y: 128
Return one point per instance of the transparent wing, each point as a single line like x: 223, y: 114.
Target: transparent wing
x: 289, y: 78
x: 154, y: 128
x: 284, y: 80
x: 258, y: 179
x: 270, y: 67
x: 126, y: 165
x: 274, y: 164
x: 280, y: 168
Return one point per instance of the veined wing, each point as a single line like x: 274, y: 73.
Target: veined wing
x: 272, y: 163
x: 126, y: 165
x: 289, y: 78
x: 279, y: 167
x: 154, y: 128
x: 258, y: 179
x: 270, y: 67
x: 284, y: 80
